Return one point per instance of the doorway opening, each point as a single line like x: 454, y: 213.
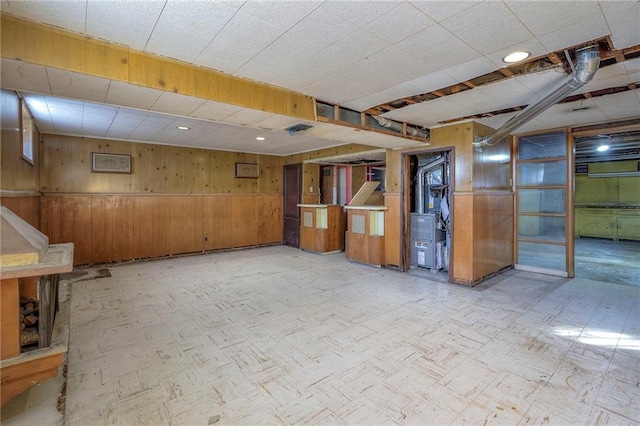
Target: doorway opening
x: 427, y: 239
x: 607, y: 206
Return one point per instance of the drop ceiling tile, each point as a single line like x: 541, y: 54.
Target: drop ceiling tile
x: 595, y: 27
x: 247, y: 117
x: 477, y: 27
x: 508, y: 93
x: 622, y: 18
x: 553, y: 16
x: 242, y: 30
x: 278, y: 122
x: 69, y: 15
x: 130, y: 23
x: 279, y: 14
x: 204, y: 21
x: 18, y: 75
x: 439, y: 47
x: 77, y: 86
x: 611, y: 76
x: 399, y: 23
x: 175, y: 103
x: 216, y: 111
x: 470, y: 69
x: 130, y: 95
x: 441, y: 10
x: 620, y: 105
x: 542, y: 82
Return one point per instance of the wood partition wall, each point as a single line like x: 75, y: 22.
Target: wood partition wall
x: 107, y: 228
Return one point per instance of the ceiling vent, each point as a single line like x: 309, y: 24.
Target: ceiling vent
x: 297, y: 128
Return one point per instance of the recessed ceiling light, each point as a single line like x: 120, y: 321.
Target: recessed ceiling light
x: 516, y: 56
x: 603, y: 148
x: 259, y: 138
x: 182, y: 128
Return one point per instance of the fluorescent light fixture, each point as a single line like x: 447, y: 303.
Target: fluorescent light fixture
x: 182, y: 128
x: 259, y: 138
x: 603, y: 148
x: 516, y: 56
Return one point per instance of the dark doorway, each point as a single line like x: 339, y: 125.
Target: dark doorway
x: 292, y: 186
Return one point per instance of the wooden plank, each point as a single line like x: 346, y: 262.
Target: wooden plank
x: 9, y: 322
x: 493, y: 233
x: 50, y: 218
x: 244, y: 221
x: 19, y: 377
x: 82, y: 229
x: 218, y: 227
x: 392, y: 228
x: 364, y: 193
x: 143, y: 220
x: 22, y: 244
x: 123, y: 228
x: 462, y: 262
x: 270, y: 219
x: 101, y: 229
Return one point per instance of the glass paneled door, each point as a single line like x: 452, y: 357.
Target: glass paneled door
x: 544, y: 195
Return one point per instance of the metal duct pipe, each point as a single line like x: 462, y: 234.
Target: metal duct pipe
x: 397, y: 127
x: 420, y: 182
x: 588, y: 60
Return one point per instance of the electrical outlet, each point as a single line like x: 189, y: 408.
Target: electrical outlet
x: 206, y: 239
x: 311, y: 189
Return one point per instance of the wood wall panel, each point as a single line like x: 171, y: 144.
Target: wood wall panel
x: 27, y: 208
x: 392, y: 228
x: 244, y: 221
x: 462, y: 253
x: 107, y: 228
x: 492, y: 233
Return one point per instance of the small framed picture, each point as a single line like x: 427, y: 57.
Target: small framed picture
x: 110, y: 163
x: 247, y: 170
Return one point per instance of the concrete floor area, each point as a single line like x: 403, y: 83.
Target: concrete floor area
x: 280, y: 336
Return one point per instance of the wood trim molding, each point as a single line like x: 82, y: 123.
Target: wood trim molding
x: 5, y: 193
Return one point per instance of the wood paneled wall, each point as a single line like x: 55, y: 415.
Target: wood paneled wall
x: 16, y: 174
x: 155, y: 169
x: 107, y: 228
x: 27, y: 207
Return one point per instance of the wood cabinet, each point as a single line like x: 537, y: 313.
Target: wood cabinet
x: 365, y: 234
x: 611, y: 223
x: 321, y: 228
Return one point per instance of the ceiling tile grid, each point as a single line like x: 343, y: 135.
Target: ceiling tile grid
x: 64, y: 14
x: 204, y: 21
x: 18, y: 75
x: 399, y: 23
x: 77, y: 86
x: 622, y: 19
x: 129, y: 95
x: 129, y: 23
x: 441, y: 10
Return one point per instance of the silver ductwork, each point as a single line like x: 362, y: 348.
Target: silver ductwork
x: 397, y: 127
x: 588, y: 60
x: 420, y: 182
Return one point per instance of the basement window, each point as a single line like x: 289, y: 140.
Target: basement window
x: 27, y: 135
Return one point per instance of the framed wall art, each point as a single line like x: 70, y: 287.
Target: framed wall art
x: 110, y: 163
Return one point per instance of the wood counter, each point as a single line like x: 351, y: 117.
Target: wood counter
x: 321, y: 228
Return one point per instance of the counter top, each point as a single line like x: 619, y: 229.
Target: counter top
x: 373, y: 208
x: 317, y: 206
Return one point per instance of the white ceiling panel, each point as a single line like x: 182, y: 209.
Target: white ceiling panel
x: 575, y: 34
x: 439, y: 47
x: 204, y: 20
x: 222, y: 52
x: 399, y: 23
x: 470, y: 69
x: 611, y: 76
x: 280, y: 14
x: 73, y: 85
x: 216, y: 111
x: 128, y: 23
x: 131, y: 96
x: 357, y: 12
x: 620, y: 105
x: 622, y: 18
x: 633, y: 69
x: 175, y: 103
x: 532, y: 46
x: 247, y: 117
x: 553, y: 16
x: 477, y: 27
x: 18, y: 75
x: 63, y: 14
x: 441, y: 10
